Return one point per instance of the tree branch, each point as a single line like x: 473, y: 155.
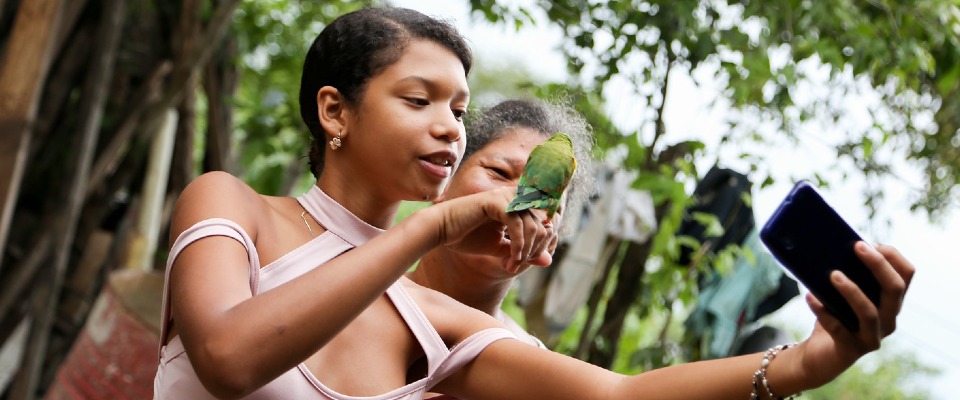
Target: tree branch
x: 91, y: 112
x: 23, y: 67
x: 660, y: 129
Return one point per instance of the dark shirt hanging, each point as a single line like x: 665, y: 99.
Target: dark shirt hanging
x: 721, y: 192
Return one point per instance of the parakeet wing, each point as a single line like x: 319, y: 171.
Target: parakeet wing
x: 548, y: 172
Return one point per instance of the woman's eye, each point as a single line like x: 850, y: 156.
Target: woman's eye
x: 418, y: 101
x: 500, y: 172
x: 459, y: 114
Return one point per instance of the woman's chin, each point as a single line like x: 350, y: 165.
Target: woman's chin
x: 430, y: 194
x: 488, y: 266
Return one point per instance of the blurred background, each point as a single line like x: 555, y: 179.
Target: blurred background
x: 705, y: 113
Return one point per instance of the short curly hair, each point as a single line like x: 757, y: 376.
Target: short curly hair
x: 547, y: 118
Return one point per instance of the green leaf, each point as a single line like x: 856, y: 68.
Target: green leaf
x: 711, y: 224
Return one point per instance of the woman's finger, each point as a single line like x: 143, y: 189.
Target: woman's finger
x: 532, y: 227
x: 546, y: 236
x: 534, y: 236
x: 899, y: 263
x: 544, y: 259
x: 555, y: 239
x: 829, y: 323
x: 891, y: 283
x: 550, y: 241
x: 515, y: 229
x: 866, y: 311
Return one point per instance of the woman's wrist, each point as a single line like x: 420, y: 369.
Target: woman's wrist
x: 782, y: 372
x: 761, y: 382
x: 427, y: 222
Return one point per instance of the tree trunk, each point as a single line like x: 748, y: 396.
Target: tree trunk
x: 603, y: 347
x: 121, y: 139
x: 74, y: 140
x: 91, y: 112
x: 182, y: 164
x: 219, y: 84
x: 68, y: 69
x: 603, y: 351
x: 587, y: 334
x: 153, y: 195
x: 22, y: 72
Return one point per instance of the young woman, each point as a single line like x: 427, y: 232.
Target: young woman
x: 501, y: 138
x: 246, y: 310
x: 385, y: 88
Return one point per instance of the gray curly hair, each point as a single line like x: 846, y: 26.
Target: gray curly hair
x: 547, y: 118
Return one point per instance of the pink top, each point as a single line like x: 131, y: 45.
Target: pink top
x: 176, y: 378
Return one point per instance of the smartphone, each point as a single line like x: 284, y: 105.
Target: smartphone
x: 810, y: 240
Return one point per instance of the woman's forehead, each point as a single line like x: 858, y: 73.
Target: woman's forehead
x: 517, y: 138
x: 430, y: 64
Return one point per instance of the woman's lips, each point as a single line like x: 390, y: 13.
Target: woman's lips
x: 439, y: 164
x: 441, y: 171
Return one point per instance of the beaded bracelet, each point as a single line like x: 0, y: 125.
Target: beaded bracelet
x: 760, y: 377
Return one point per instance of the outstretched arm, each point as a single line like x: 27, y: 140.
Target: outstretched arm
x: 510, y: 369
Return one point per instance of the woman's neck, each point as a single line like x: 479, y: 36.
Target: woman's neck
x: 441, y: 270
x: 360, y: 201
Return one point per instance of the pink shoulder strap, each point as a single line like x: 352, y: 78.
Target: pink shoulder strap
x: 467, y: 350
x: 200, y: 230
x: 433, y: 346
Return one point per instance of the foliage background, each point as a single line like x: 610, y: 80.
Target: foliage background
x: 785, y: 72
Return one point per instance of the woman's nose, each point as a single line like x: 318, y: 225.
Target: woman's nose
x: 447, y: 126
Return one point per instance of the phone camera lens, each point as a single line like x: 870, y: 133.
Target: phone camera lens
x: 787, y: 244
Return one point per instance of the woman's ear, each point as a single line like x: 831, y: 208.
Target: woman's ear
x: 331, y: 111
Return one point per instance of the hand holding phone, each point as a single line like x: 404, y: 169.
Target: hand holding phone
x: 811, y: 240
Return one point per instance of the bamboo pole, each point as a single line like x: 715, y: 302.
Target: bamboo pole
x: 180, y: 73
x: 91, y: 112
x: 146, y: 95
x: 72, y: 10
x: 22, y: 274
x: 23, y: 69
x: 191, y: 62
x: 219, y: 83
x: 145, y: 234
x: 12, y: 351
x: 18, y: 281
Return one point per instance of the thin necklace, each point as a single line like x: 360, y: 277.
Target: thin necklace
x: 306, y: 223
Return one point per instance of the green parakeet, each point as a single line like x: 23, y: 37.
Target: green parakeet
x: 548, y: 171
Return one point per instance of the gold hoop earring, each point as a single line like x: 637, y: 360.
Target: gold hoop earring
x: 335, y: 143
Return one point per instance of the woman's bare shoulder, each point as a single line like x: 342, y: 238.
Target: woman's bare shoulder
x: 217, y: 194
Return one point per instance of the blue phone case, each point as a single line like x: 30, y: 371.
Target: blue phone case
x: 810, y: 239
